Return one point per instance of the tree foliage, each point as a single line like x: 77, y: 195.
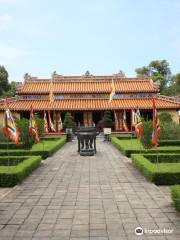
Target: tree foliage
x: 165, y: 117
x: 158, y: 70
x: 107, y: 120
x: 68, y: 121
x: 3, y: 80
x: 169, y: 130
x: 147, y: 134
x: 25, y: 137
x: 174, y: 88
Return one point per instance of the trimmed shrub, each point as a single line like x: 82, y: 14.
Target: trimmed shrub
x: 11, y: 160
x: 107, y: 120
x: 169, y: 142
x: 10, y: 145
x: 69, y: 122
x: 26, y: 138
x: 175, y: 194
x: 40, y: 125
x: 10, y: 176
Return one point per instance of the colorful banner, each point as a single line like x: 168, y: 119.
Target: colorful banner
x: 9, y: 126
x: 138, y: 124
x: 60, y: 124
x: 45, y: 124
x: 112, y: 93
x: 125, y: 127
x: 32, y: 125
x: 51, y: 125
x: 156, y: 126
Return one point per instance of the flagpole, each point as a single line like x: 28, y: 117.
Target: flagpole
x: 8, y: 151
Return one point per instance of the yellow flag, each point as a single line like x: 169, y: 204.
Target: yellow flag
x: 112, y: 93
x: 51, y: 94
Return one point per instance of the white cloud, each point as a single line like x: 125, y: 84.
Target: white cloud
x: 8, y: 52
x: 5, y: 21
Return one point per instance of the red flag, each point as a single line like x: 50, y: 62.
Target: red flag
x: 9, y: 125
x: 156, y: 126
x: 32, y: 125
x: 45, y: 123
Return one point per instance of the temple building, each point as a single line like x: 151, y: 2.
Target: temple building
x: 86, y: 97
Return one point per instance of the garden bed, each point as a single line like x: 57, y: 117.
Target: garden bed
x: 165, y: 172
x: 12, y: 175
x: 44, y: 148
x: 133, y: 146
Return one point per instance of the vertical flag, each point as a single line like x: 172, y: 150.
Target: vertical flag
x: 32, y: 125
x: 156, y: 126
x: 51, y: 123
x: 60, y: 125
x: 116, y: 120
x: 112, y: 93
x: 45, y: 123
x: 133, y: 118
x: 124, y: 122
x: 9, y: 126
x: 51, y: 94
x: 138, y: 124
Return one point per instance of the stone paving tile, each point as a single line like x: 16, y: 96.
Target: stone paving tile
x: 71, y: 197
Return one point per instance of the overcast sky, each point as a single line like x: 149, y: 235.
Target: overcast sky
x: 102, y: 36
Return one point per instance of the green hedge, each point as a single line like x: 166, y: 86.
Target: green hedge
x: 134, y: 146
x: 11, y: 160
x: 175, y: 194
x: 163, y: 158
x: 169, y: 142
x: 10, y: 145
x: 43, y: 148
x: 10, y: 176
x: 160, y: 174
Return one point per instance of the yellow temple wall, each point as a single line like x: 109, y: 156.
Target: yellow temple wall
x: 174, y: 115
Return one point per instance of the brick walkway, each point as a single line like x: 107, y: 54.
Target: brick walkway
x: 98, y: 198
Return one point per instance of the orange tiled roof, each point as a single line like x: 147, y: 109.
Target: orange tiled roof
x: 121, y: 86
x: 89, y: 104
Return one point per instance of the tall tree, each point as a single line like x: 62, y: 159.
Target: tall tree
x: 3, y: 80
x: 174, y: 88
x: 158, y: 70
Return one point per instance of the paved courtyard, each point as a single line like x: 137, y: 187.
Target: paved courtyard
x: 87, y: 198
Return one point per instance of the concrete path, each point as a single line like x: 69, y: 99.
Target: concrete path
x: 87, y: 198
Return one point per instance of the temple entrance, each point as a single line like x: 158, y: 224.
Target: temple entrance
x: 78, y: 118
x: 97, y: 116
x: 128, y: 119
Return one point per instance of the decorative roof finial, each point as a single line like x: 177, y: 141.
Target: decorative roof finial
x: 87, y: 73
x: 27, y: 76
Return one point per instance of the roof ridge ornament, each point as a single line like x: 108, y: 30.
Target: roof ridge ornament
x: 87, y: 74
x: 27, y: 76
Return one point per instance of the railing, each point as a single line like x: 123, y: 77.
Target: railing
x: 167, y: 98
